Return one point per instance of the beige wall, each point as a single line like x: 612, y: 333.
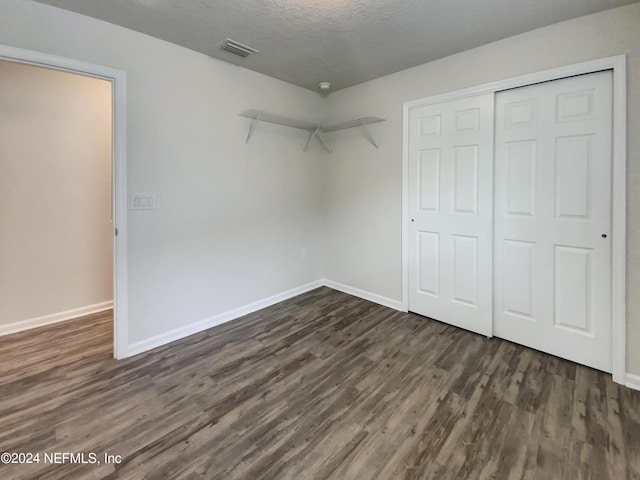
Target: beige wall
x: 231, y: 218
x: 363, y: 197
x: 55, y: 192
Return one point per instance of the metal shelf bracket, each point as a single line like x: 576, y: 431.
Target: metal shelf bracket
x: 368, y: 133
x: 254, y: 124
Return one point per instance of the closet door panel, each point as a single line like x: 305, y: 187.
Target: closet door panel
x: 450, y: 210
x: 553, y: 218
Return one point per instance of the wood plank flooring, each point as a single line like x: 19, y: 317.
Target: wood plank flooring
x: 322, y: 386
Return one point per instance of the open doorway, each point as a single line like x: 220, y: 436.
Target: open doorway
x: 62, y: 248
x: 56, y: 249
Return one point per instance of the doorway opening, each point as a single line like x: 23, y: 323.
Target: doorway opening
x: 63, y: 202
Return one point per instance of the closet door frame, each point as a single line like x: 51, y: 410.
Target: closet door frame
x: 617, y: 64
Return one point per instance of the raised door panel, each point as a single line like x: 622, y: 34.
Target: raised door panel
x: 572, y: 288
x: 430, y: 126
x: 429, y: 263
x: 465, y: 179
x: 429, y: 180
x: 572, y: 172
x: 466, y: 121
x: 521, y: 177
x: 520, y: 113
x: 575, y: 105
x: 518, y: 279
x: 465, y: 269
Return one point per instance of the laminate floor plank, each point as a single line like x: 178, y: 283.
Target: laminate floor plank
x: 323, y: 386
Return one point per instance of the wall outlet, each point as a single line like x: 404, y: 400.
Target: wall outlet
x: 303, y: 253
x: 143, y: 201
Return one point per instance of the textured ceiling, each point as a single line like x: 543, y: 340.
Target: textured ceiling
x: 344, y: 42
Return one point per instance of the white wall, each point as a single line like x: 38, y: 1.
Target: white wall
x: 231, y: 218
x: 363, y: 197
x: 55, y: 192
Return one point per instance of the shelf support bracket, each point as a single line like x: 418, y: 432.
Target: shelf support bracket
x: 368, y: 133
x: 311, y: 135
x: 326, y: 147
x: 316, y: 133
x: 254, y: 124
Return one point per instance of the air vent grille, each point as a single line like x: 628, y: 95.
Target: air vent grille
x: 237, y: 48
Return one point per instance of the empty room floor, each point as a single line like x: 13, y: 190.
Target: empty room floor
x: 324, y: 385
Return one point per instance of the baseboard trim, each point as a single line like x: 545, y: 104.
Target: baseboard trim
x: 372, y: 297
x: 54, y: 318
x: 633, y: 381
x: 210, y: 322
x: 196, y: 327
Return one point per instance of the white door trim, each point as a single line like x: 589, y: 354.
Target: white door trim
x: 619, y: 175
x: 119, y: 172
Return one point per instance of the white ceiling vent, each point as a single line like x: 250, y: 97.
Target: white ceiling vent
x: 237, y: 48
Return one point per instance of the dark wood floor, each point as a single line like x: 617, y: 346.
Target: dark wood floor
x: 321, y: 386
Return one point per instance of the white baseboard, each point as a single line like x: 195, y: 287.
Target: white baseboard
x: 633, y: 381
x: 372, y: 297
x: 54, y: 318
x: 196, y: 327
x: 199, y: 326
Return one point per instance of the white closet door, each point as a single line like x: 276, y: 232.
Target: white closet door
x: 450, y: 212
x: 553, y: 218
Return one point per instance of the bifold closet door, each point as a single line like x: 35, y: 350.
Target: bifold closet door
x: 553, y: 217
x: 450, y: 209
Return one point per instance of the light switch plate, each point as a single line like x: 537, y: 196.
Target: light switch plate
x: 143, y: 201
